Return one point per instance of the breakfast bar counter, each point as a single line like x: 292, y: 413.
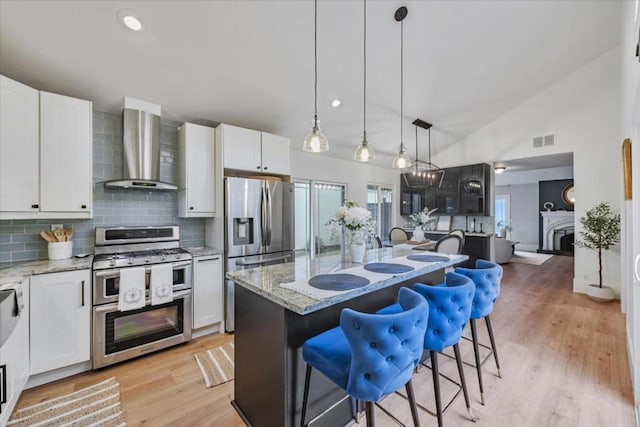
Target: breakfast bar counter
x: 276, y: 312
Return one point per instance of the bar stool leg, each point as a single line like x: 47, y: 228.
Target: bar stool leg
x: 412, y: 403
x: 436, y: 384
x: 493, y: 344
x: 305, y: 398
x: 476, y: 352
x: 456, y: 350
x: 369, y: 410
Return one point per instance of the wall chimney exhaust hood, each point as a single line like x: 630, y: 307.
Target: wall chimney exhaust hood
x: 141, y: 154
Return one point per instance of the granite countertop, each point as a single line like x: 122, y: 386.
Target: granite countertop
x: 15, y: 272
x: 203, y: 251
x: 266, y: 281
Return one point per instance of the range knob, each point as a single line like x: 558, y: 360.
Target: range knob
x: 178, y: 256
x: 147, y: 259
x: 130, y: 261
x: 112, y: 262
x: 162, y: 257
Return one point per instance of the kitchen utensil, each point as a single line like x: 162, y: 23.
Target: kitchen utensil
x: 46, y: 237
x: 52, y: 236
x: 68, y: 233
x: 60, y: 235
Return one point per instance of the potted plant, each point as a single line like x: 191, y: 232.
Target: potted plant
x: 601, y: 231
x: 503, y: 229
x: 420, y: 220
x: 357, y: 225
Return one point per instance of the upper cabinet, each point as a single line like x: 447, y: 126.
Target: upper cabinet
x: 254, y: 151
x: 196, y: 146
x: 463, y: 192
x: 66, y: 182
x: 45, y: 154
x: 19, y: 152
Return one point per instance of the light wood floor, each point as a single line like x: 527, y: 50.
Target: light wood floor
x: 563, y: 356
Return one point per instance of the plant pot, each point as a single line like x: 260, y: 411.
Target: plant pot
x: 601, y: 294
x: 357, y: 250
x: 418, y: 235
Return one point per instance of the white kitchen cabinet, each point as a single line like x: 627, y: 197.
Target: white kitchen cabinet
x: 60, y: 320
x: 66, y: 181
x: 196, y: 145
x: 241, y: 147
x: 45, y: 154
x: 254, y: 151
x: 14, y: 357
x: 276, y: 154
x: 208, y: 296
x: 19, y: 150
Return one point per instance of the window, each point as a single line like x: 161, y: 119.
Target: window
x: 379, y: 201
x: 316, y: 203
x: 502, y: 212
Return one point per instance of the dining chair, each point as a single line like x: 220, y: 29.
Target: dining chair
x: 487, y: 277
x: 398, y: 234
x: 370, y: 355
x: 458, y: 232
x: 450, y: 244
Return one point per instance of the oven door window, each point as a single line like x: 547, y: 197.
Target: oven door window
x: 128, y: 329
x: 112, y: 284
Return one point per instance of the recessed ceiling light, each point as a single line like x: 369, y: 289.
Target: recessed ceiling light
x: 336, y: 103
x: 500, y: 169
x: 129, y: 20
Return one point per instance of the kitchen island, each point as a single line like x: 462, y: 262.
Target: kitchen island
x: 274, y: 319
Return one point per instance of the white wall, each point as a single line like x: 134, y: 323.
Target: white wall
x: 354, y: 174
x: 583, y: 111
x: 533, y: 176
x: 524, y: 214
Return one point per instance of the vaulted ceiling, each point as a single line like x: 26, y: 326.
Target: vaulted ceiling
x: 250, y: 63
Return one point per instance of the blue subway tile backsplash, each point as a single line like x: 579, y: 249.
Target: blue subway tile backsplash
x: 20, y: 240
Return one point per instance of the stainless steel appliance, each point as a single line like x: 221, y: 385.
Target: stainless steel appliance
x: 258, y: 228
x: 121, y: 335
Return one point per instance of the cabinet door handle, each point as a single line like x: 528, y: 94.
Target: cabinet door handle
x: 83, y: 206
x: 265, y: 168
x: 190, y: 208
x: 35, y: 206
x: 257, y: 167
x: 3, y: 390
x: 208, y: 259
x: 82, y: 294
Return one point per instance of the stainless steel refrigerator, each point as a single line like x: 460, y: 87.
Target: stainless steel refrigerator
x: 258, y: 228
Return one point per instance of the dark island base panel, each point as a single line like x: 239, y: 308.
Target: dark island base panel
x: 269, y: 369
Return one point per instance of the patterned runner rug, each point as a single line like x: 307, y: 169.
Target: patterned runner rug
x: 216, y: 364
x: 97, y: 405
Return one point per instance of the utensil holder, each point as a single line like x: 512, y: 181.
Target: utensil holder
x: 60, y: 250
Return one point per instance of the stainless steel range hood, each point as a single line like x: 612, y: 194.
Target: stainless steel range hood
x: 141, y: 162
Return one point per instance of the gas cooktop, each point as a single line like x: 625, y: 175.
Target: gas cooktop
x: 128, y: 259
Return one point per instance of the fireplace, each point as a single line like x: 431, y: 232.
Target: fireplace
x: 557, y: 230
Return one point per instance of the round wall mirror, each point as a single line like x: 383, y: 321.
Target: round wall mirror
x: 568, y: 195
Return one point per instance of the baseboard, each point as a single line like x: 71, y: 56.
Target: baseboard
x: 526, y: 248
x: 57, y: 374
x: 208, y: 330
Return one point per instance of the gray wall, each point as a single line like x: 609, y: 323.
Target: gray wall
x: 20, y: 240
x: 524, y: 213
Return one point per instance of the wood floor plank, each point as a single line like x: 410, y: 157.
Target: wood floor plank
x: 563, y: 357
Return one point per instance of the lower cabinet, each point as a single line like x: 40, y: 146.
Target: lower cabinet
x: 60, y: 320
x: 208, y: 296
x: 14, y: 357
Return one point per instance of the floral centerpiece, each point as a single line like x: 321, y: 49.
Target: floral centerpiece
x: 356, y: 223
x: 423, y: 217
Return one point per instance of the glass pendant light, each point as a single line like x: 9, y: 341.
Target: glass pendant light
x: 402, y: 160
x: 364, y: 153
x: 315, y: 141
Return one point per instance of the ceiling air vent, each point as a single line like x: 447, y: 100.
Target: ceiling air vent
x: 544, y: 141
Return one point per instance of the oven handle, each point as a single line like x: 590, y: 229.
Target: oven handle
x: 114, y: 306
x: 116, y: 271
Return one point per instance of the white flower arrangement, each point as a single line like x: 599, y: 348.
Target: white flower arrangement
x: 423, y: 217
x: 355, y: 220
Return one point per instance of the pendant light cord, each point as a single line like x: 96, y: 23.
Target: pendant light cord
x: 402, y: 85
x: 430, y: 149
x: 364, y: 126
x: 315, y: 60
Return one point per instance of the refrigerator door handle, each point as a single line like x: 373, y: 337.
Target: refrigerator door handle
x: 263, y: 261
x: 269, y: 215
x: 263, y: 217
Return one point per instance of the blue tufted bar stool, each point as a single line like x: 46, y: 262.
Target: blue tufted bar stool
x: 370, y: 355
x: 449, y: 311
x: 487, y: 277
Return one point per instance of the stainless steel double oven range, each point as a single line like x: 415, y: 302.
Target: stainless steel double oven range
x: 121, y: 335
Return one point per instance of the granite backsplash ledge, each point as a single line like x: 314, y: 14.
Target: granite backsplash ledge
x: 20, y: 240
